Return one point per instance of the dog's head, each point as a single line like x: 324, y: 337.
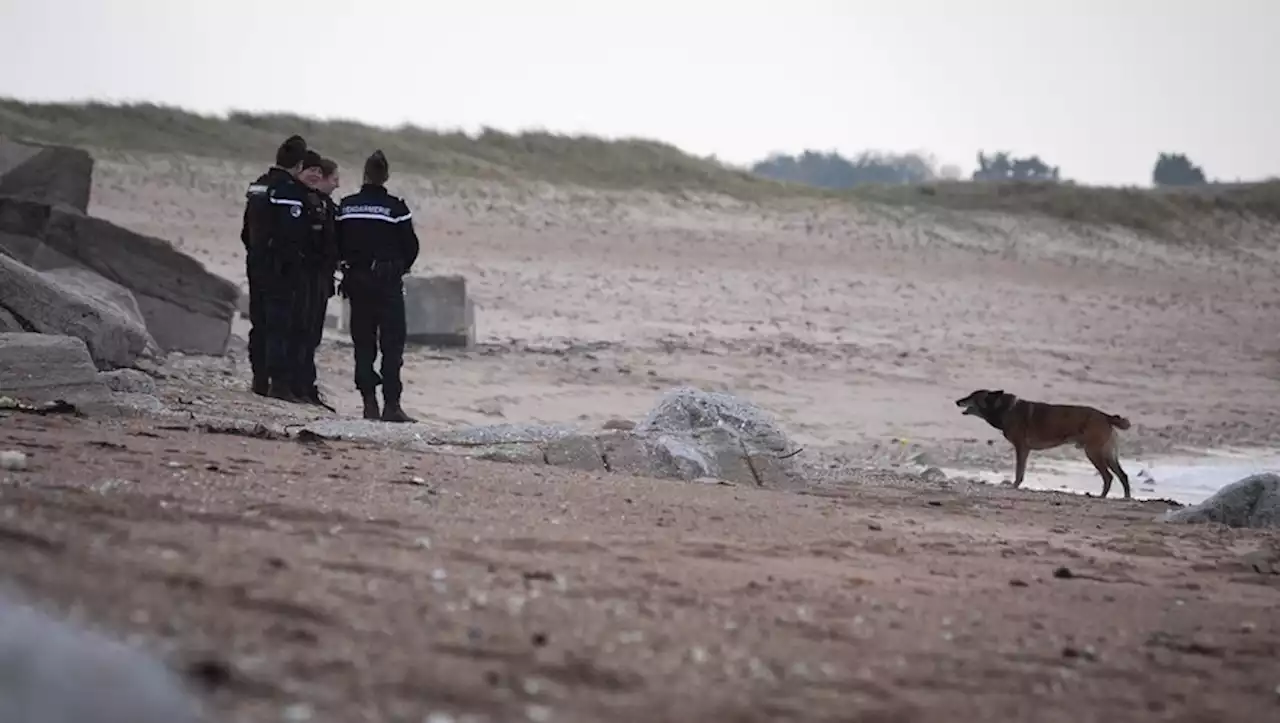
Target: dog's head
x: 983, y: 400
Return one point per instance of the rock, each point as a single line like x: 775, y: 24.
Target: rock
x: 1251, y: 502
x: 489, y: 408
x: 513, y: 454
x: 438, y: 311
x: 40, y: 303
x: 54, y: 673
x: 577, y: 451
x: 56, y: 175
x: 711, y: 434
x: 506, y: 433
x: 933, y: 474
x: 93, y: 285
x: 14, y: 154
x: 684, y: 410
x: 128, y: 381
x: 8, y: 323
x: 619, y: 425
x: 627, y: 453
x: 41, y: 368
x: 186, y: 308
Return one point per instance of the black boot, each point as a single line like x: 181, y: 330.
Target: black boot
x: 313, y: 396
x: 391, y: 411
x: 261, y: 386
x: 281, y: 391
x: 370, y: 397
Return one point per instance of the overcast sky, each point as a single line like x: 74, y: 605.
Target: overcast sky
x: 1098, y: 87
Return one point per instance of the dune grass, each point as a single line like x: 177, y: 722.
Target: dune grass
x: 592, y: 162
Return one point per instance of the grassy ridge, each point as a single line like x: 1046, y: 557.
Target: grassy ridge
x: 593, y: 162
x: 581, y: 160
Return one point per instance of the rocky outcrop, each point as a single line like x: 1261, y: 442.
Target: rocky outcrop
x: 690, y: 434
x: 75, y: 306
x: 41, y: 368
x: 1251, y: 502
x: 88, y: 283
x: 56, y: 175
x: 712, y: 434
x: 55, y: 673
x: 186, y: 308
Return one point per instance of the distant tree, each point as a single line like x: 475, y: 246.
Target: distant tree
x: 1002, y: 166
x: 1175, y: 169
x: 832, y: 170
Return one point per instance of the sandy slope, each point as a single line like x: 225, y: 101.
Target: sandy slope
x: 857, y: 325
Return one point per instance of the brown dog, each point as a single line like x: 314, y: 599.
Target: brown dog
x: 1037, y: 425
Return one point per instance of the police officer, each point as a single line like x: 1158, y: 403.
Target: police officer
x: 282, y: 233
x: 316, y: 286
x: 378, y: 246
x: 289, y: 159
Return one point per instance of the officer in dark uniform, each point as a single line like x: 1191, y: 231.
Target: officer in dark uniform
x: 282, y: 230
x: 378, y: 246
x: 311, y: 299
x: 289, y: 158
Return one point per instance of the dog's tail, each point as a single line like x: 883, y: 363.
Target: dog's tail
x: 1118, y: 421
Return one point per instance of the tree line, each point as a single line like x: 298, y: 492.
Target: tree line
x: 832, y: 170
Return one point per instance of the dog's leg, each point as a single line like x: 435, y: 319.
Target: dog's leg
x: 1020, y: 453
x: 1100, y: 462
x: 1113, y: 461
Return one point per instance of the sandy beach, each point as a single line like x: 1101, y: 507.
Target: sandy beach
x: 306, y: 579
x: 856, y: 325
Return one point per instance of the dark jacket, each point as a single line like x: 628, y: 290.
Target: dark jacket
x: 282, y: 226
x: 375, y: 227
x: 255, y: 198
x: 321, y: 252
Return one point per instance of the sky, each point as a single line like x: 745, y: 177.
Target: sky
x: 1096, y: 87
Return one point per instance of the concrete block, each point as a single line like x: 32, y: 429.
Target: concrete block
x: 438, y: 311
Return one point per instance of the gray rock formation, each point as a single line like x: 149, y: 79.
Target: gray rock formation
x: 56, y: 175
x: 186, y: 308
x: 711, y: 434
x: 51, y: 672
x: 9, y: 322
x: 46, y: 367
x: 93, y: 285
x: 14, y: 154
x: 690, y: 434
x: 78, y: 307
x: 128, y: 381
x: 39, y: 368
x: 1251, y: 502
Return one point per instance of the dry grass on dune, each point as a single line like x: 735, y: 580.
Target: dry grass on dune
x: 597, y: 163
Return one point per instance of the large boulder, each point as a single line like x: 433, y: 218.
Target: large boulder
x: 46, y: 367
x: 14, y: 154
x: 88, y: 311
x: 42, y: 368
x: 89, y: 283
x: 56, y: 673
x: 56, y: 175
x: 1251, y: 502
x: 186, y: 307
